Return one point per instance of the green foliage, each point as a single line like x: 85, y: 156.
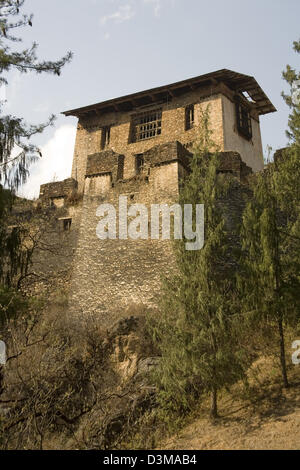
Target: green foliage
x: 198, y: 329
x: 270, y: 283
x: 15, y: 256
x: 6, y: 201
x: 16, y: 150
x: 290, y: 75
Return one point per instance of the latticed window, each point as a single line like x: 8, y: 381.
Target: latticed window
x: 146, y: 125
x: 189, y: 117
x: 243, y: 120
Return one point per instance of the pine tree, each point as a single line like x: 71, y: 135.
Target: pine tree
x: 269, y: 284
x: 288, y: 166
x: 292, y: 77
x: 271, y: 236
x: 17, y: 151
x: 197, y: 331
x: 15, y: 133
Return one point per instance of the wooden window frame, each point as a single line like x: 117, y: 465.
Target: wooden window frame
x: 105, y: 137
x: 243, y: 119
x: 66, y: 223
x: 189, y: 117
x: 146, y: 125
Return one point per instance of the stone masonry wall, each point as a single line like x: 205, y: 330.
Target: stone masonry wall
x: 58, y: 189
x: 111, y: 275
x: 52, y: 232
x: 222, y: 123
x: 88, y: 140
x: 250, y: 150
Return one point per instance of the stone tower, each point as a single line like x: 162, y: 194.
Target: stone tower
x: 139, y: 146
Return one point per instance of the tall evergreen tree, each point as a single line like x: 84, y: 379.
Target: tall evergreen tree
x: 15, y: 133
x: 271, y: 235
x: 269, y: 284
x: 292, y: 77
x: 16, y: 149
x: 197, y: 331
x: 288, y: 166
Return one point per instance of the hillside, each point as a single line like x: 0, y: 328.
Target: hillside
x: 271, y: 421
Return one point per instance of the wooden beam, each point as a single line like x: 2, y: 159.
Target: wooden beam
x: 172, y: 93
x: 135, y: 103
x: 262, y: 102
x: 245, y: 85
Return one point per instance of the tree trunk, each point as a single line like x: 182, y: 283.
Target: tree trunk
x: 282, y: 354
x: 214, y: 403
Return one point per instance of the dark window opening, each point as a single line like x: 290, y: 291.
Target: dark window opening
x: 105, y: 138
x: 120, y: 172
x: 244, y: 125
x: 67, y: 225
x: 139, y: 163
x: 146, y: 125
x: 189, y: 117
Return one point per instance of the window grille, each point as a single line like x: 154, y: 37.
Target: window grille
x: 243, y: 120
x: 146, y: 125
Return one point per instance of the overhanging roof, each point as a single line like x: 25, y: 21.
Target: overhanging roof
x: 237, y: 82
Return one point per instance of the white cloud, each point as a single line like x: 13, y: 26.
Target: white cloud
x: 55, y: 163
x: 127, y: 11
x: 124, y: 13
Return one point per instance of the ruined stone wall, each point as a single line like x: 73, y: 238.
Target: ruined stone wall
x: 110, y: 275
x: 104, y: 277
x: 88, y: 140
x: 49, y: 227
x: 222, y: 123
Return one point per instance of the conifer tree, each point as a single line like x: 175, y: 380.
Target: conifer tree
x: 288, y: 167
x: 197, y: 331
x: 15, y: 133
x: 292, y: 77
x: 271, y: 235
x: 17, y: 151
x: 269, y: 284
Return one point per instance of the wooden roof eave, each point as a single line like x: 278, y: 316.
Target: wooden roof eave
x: 235, y: 81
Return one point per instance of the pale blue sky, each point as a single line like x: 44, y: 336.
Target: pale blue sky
x: 124, y: 46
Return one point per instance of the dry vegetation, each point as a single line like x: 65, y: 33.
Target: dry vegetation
x: 269, y: 418
x: 71, y: 385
